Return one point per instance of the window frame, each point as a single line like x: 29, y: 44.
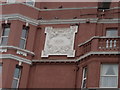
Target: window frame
x: 85, y: 69
x: 11, y: 2
x: 1, y: 66
x: 108, y: 76
x: 22, y: 38
x: 3, y: 29
x: 30, y: 4
x: 108, y: 29
x: 15, y: 78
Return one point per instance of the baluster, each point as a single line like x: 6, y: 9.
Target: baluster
x: 115, y: 43
x: 107, y: 44
x: 111, y: 42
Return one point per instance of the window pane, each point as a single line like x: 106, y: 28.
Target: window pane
x: 4, y: 40
x: 11, y: 1
x: 109, y: 69
x: 109, y: 75
x: 0, y: 68
x: 6, y: 32
x: 24, y: 33
x: 17, y: 73
x: 85, y: 72
x: 0, y: 76
x: 109, y: 81
x: 112, y: 32
x: 84, y: 84
x: 14, y: 83
x: 84, y: 77
x: 30, y: 2
x: 22, y: 43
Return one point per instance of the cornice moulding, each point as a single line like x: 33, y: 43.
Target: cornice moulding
x: 20, y: 59
x: 14, y: 57
x: 62, y: 21
x: 17, y: 48
x: 77, y: 60
x: 56, y: 9
x: 18, y: 17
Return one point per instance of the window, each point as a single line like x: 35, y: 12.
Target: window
x: 0, y: 75
x: 30, y: 2
x: 84, y: 77
x: 109, y: 76
x: 111, y: 32
x: 104, y: 5
x: 16, y: 77
x: 23, y: 37
x: 10, y: 1
x: 5, y: 34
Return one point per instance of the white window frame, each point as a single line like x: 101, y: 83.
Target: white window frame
x: 1, y: 38
x: 25, y: 39
x: 8, y: 1
x: 21, y: 38
x: 18, y: 79
x: 29, y: 1
x: 111, y: 29
x: 1, y: 74
x: 108, y: 76
x: 83, y: 77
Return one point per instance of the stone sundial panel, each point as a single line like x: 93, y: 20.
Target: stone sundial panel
x: 59, y: 41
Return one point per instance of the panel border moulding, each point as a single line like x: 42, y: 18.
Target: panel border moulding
x: 59, y: 41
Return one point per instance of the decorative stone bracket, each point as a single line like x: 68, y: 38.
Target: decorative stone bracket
x: 3, y: 50
x: 21, y: 53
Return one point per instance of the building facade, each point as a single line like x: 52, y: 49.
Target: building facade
x: 59, y: 44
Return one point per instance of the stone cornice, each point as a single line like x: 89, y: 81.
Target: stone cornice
x: 57, y: 9
x: 19, y: 17
x: 62, y: 21
x: 27, y: 61
x: 17, y: 48
x: 76, y: 60
x: 14, y: 57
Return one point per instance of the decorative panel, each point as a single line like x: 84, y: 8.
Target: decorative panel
x: 59, y: 41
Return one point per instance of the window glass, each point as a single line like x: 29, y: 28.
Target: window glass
x: 30, y: 2
x: 4, y: 41
x: 24, y: 33
x: 10, y: 1
x: 112, y: 32
x: 16, y: 77
x: 109, y: 81
x: 6, y: 32
x: 109, y: 76
x: 0, y: 75
x: 23, y: 37
x: 22, y: 43
x: 84, y: 77
x: 16, y: 74
x: 0, y: 68
x: 15, y: 83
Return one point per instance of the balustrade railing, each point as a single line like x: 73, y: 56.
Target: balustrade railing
x: 109, y: 44
x: 100, y: 44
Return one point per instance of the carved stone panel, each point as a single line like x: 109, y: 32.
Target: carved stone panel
x: 59, y: 41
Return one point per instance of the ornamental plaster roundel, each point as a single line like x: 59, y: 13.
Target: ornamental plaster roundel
x: 59, y: 41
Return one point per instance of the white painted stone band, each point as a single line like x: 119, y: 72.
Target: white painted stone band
x: 60, y: 21
x: 27, y: 61
x: 17, y: 48
x: 14, y: 57
x: 56, y: 9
